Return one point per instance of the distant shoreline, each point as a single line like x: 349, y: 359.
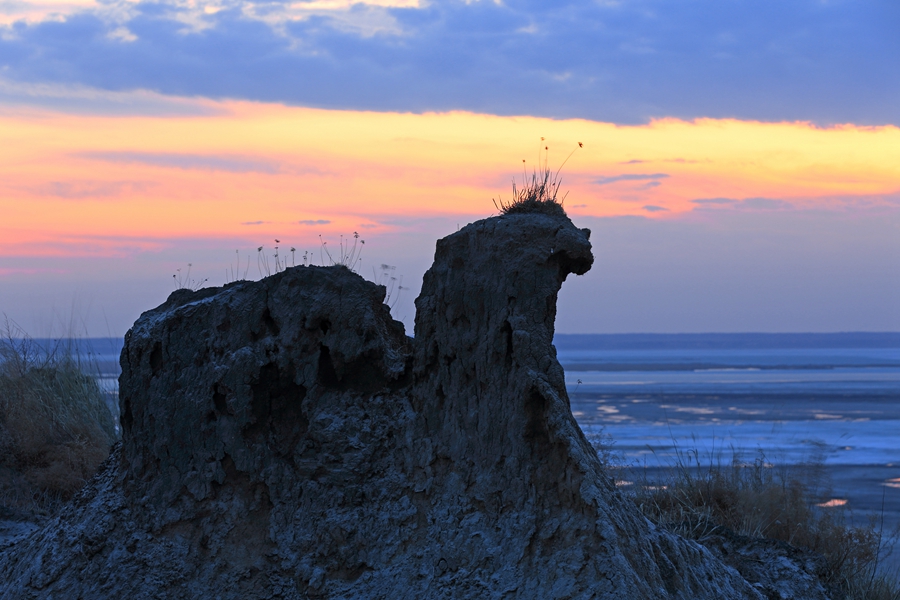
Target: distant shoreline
x: 714, y: 341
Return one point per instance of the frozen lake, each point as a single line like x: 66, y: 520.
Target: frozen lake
x: 792, y: 397
x: 838, y: 394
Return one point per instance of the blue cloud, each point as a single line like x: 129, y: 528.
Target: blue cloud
x: 707, y: 201
x: 654, y: 208
x: 76, y: 190
x: 745, y: 203
x: 631, y: 177
x: 206, y: 162
x: 314, y: 222
x: 764, y: 204
x: 627, y: 62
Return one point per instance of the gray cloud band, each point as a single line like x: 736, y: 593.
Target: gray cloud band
x: 620, y: 62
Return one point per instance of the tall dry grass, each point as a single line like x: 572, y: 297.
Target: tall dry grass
x: 55, y: 427
x: 695, y: 498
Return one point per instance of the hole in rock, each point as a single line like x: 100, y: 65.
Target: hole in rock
x: 220, y: 402
x: 270, y: 323
x: 156, y: 358
x: 536, y: 432
x: 327, y: 374
x: 126, y: 418
x: 508, y: 335
x: 277, y: 406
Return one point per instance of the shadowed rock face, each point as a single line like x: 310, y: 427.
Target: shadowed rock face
x: 285, y: 439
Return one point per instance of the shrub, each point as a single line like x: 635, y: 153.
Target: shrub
x: 55, y: 427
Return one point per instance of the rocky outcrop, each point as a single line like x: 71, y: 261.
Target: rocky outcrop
x: 285, y: 439
x: 775, y: 568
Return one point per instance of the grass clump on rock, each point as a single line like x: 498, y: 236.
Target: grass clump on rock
x: 539, y: 194
x: 55, y: 427
x: 756, y: 501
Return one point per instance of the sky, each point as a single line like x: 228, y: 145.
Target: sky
x: 740, y: 168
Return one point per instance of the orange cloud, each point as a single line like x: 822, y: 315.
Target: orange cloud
x: 73, y: 183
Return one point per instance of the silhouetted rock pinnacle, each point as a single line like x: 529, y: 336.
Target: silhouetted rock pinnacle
x: 285, y: 439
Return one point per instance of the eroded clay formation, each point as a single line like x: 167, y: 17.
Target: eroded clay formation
x: 285, y: 439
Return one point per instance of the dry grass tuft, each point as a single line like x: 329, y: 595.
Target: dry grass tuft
x: 757, y: 500
x: 536, y: 196
x: 55, y: 427
x: 540, y: 194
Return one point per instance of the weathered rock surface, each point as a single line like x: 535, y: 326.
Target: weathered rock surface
x: 15, y: 526
x: 778, y: 570
x: 285, y: 439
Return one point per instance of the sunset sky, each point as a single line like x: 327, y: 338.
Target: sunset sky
x: 740, y: 168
